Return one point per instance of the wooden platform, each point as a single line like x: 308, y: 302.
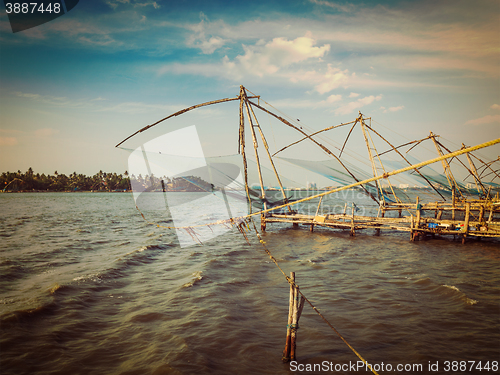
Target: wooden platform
x: 476, y: 218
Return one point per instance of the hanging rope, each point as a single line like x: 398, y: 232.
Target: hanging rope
x: 293, y: 283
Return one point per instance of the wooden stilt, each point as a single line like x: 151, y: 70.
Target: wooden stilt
x: 352, y: 221
x: 466, y: 222
x: 286, y: 352
x: 453, y: 203
x: 411, y: 229
x: 417, y: 207
x: 293, y: 335
x: 296, y: 304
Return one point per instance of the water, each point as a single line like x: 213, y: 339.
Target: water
x: 88, y: 287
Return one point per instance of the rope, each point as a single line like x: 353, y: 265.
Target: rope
x: 291, y: 282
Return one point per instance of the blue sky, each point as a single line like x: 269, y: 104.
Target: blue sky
x: 73, y: 88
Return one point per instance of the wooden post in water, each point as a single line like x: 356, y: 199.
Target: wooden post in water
x: 481, y: 213
x: 418, y: 207
x: 352, y: 220
x: 294, y: 311
x: 453, y: 203
x: 286, y: 352
x: 412, y: 234
x: 466, y: 222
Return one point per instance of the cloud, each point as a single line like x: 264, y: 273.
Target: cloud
x: 335, y: 6
x: 350, y: 107
x: 353, y: 95
x: 323, y: 81
x: 263, y: 58
x: 154, y: 4
x: 199, y: 39
x: 392, y: 109
x: 115, y: 3
x: 489, y: 119
x: 495, y: 106
x: 8, y: 141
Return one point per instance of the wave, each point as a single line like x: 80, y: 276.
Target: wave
x: 462, y: 296
x: 196, y: 278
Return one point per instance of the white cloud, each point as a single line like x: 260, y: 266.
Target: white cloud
x: 392, y: 109
x: 154, y: 4
x: 8, y: 141
x: 115, y: 3
x: 339, y: 7
x: 333, y: 98
x: 495, y: 106
x: 263, y: 58
x: 350, y: 107
x: 199, y: 39
x: 489, y: 119
x: 323, y: 81
x: 353, y: 95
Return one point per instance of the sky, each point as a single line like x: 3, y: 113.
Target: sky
x: 72, y: 88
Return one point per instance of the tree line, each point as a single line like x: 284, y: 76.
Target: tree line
x: 30, y: 181
x: 101, y: 181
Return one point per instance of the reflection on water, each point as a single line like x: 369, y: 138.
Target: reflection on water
x: 87, y: 287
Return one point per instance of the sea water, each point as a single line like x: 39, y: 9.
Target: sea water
x: 88, y: 287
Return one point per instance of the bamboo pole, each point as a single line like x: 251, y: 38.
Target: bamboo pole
x: 315, y: 133
x: 286, y: 352
x: 406, y: 160
x: 406, y: 144
x: 488, y: 165
x: 264, y: 142
x: 177, y: 114
x: 380, y: 161
x: 352, y: 220
x: 453, y: 203
x: 317, y: 143
x: 295, y: 320
x: 446, y: 166
x: 255, y: 146
x: 392, y: 173
x: 381, y: 196
x: 242, y: 150
x: 346, y: 138
x: 417, y: 207
x: 466, y: 221
x: 412, y: 236
x: 473, y: 171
